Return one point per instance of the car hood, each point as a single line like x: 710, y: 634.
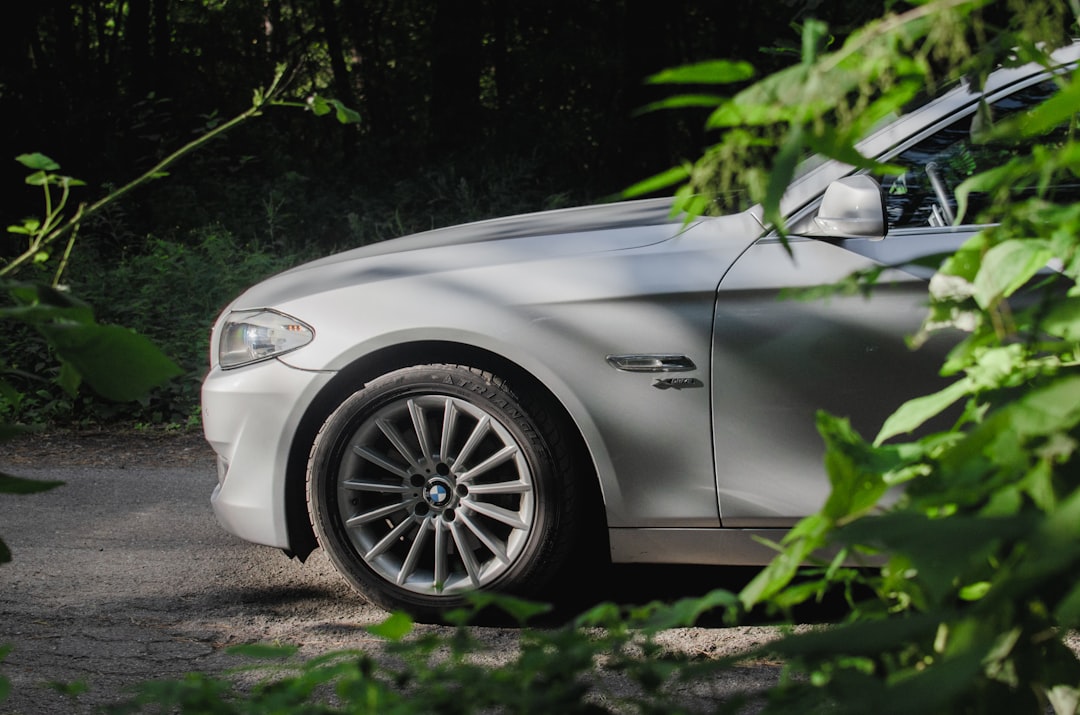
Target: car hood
x: 514, y: 239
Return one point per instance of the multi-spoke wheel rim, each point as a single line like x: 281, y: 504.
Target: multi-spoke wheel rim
x: 435, y: 494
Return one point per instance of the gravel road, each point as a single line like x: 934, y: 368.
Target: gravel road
x: 123, y: 575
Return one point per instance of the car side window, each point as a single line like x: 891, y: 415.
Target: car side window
x: 925, y: 194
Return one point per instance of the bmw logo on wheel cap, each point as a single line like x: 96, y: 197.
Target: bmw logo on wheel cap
x: 437, y: 493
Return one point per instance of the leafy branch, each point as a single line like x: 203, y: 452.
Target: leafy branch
x: 115, y: 362
x: 43, y: 233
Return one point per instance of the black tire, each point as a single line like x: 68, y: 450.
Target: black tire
x: 489, y: 504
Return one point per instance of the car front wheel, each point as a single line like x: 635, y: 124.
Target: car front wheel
x: 434, y: 481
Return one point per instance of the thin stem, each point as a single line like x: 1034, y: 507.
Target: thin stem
x: 48, y: 234
x: 66, y: 257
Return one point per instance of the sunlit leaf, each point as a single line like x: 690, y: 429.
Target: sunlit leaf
x: 686, y: 612
x: 975, y: 591
x: 395, y: 627
x: 663, y: 180
x: 683, y: 101
x: 913, y: 413
x: 28, y: 227
x: 1052, y: 113
x: 37, y: 162
x: 38, y: 178
x: 1007, y: 267
x: 318, y: 105
x: 710, y: 72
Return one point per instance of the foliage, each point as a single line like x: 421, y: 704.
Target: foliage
x: 979, y: 583
x: 117, y: 363
x: 100, y: 353
x: 582, y: 667
x: 171, y: 287
x: 171, y: 291
x: 108, y: 87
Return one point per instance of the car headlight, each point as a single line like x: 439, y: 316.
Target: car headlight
x: 254, y: 335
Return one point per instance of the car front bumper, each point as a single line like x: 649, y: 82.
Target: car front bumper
x: 250, y: 416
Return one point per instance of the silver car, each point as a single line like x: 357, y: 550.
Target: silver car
x: 480, y: 407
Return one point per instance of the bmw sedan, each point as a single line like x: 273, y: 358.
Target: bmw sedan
x: 480, y: 407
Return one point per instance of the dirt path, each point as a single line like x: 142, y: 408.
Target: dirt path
x: 122, y: 575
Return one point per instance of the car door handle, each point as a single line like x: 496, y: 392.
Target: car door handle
x: 651, y: 363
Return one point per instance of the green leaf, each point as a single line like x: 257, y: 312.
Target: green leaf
x: 856, y: 470
x: 710, y: 72
x: 1007, y: 267
x: 744, y: 113
x: 974, y: 591
x: 860, y: 638
x: 29, y: 227
x: 321, y: 106
x: 828, y: 142
x: 521, y: 610
x: 1063, y: 319
x: 602, y: 615
x: 970, y: 540
x: 394, y: 628
x: 913, y: 413
x: 318, y: 105
x: 39, y: 302
x: 686, y: 612
x: 801, y: 541
x: 1055, y: 111
x: 783, y: 170
x: 813, y: 35
x: 69, y: 378
x: 345, y: 115
x: 1053, y: 408
x: 663, y: 180
x: 682, y: 101
x: 264, y: 651
x: 116, y: 362
x: 984, y: 182
x: 1068, y: 608
x: 4, y: 649
x: 71, y: 690
x: 37, y: 161
x: 38, y: 178
x: 10, y: 484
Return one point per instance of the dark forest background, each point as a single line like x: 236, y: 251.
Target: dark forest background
x: 541, y: 93
x: 468, y: 109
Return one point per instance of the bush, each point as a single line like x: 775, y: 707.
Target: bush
x: 170, y: 292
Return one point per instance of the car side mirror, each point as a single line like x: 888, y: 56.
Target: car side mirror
x: 852, y: 207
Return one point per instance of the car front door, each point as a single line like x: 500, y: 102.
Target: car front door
x: 782, y: 352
